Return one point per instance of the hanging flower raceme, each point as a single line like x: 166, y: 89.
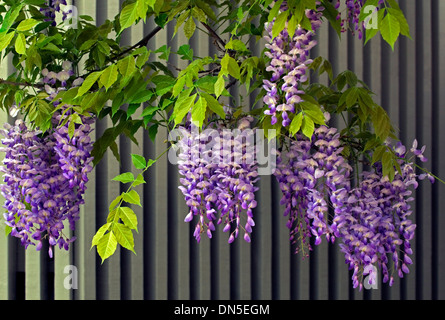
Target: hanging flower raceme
x: 237, y: 174
x: 312, y: 174
x: 375, y: 222
x: 198, y: 180
x: 289, y: 62
x: 218, y: 172
x: 45, y: 174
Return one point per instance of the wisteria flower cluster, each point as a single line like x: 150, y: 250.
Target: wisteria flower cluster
x: 45, y: 174
x: 310, y: 174
x: 54, y: 6
x: 372, y: 219
x: 219, y: 182
x: 374, y: 225
x: 289, y: 62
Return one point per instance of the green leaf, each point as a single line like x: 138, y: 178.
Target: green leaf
x: 182, y: 107
x: 230, y: 66
x: 219, y: 86
x: 139, y: 161
x: 10, y: 18
x: 141, y: 97
x: 179, y: 86
x: 99, y: 234
x: 132, y: 197
x: 404, y: 26
x: 292, y: 26
x: 88, y: 83
x: 296, y: 123
x: 214, y: 105
x: 142, y: 7
x: 107, y: 246
x: 313, y: 111
x: 308, y: 127
x: 203, y: 5
x: 151, y: 3
x: 27, y: 24
x: 149, y: 111
x: 381, y: 122
x: 390, y: 29
x: 128, y: 217
x: 127, y: 66
x: 235, y: 44
x: 5, y: 40
x: 139, y: 180
x: 109, y: 76
x: 124, y: 177
x: 274, y: 11
x: 20, y: 44
x: 189, y: 28
x: 378, y: 153
x: 128, y: 15
x: 387, y: 163
x: 199, y: 14
x: 185, y: 52
x: 71, y: 129
x: 331, y: 14
x: 115, y: 202
x: 199, y: 112
x: 153, y: 131
x: 124, y: 236
x: 351, y: 97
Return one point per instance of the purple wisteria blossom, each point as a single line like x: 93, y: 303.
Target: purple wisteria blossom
x: 375, y: 225
x: 289, y: 62
x: 45, y: 174
x: 218, y: 179
x: 312, y: 173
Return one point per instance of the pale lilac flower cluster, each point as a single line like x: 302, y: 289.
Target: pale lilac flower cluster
x: 312, y: 175
x: 219, y: 182
x: 353, y: 8
x: 374, y: 224
x: 45, y: 175
x: 39, y: 175
x: 53, y: 6
x: 198, y: 181
x: 289, y: 62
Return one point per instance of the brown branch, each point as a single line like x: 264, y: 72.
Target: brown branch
x: 21, y: 84
x: 141, y: 43
x: 231, y: 84
x: 220, y: 43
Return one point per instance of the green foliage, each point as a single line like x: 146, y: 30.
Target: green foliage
x: 121, y: 218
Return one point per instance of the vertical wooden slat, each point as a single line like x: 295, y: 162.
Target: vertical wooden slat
x: 85, y: 259
x: 62, y: 260
x: 440, y: 147
x: 424, y: 120
x: 4, y: 245
x: 33, y: 274
x: 407, y: 93
x: 136, y: 287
